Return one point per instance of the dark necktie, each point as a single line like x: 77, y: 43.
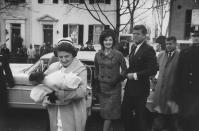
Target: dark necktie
x: 133, y: 50
x: 169, y: 54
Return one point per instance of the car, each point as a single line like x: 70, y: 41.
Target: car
x: 19, y: 94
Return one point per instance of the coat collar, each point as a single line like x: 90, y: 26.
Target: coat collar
x: 110, y: 55
x: 76, y: 64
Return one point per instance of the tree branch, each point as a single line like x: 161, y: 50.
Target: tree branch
x: 105, y: 16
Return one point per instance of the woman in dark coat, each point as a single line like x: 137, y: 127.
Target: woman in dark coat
x: 108, y: 62
x: 6, y: 79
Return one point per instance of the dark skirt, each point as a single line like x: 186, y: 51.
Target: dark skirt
x: 110, y: 101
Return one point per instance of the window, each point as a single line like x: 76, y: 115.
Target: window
x: 100, y: 1
x: 73, y: 1
x: 40, y: 1
x: 74, y: 31
x: 55, y: 1
x: 15, y: 1
x: 94, y: 32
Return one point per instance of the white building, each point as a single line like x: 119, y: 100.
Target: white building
x: 38, y: 21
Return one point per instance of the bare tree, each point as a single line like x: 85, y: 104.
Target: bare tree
x: 6, y: 5
x: 161, y: 9
x: 123, y: 8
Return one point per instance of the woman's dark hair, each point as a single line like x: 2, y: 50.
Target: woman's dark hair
x: 161, y: 40
x: 107, y: 33
x: 67, y: 47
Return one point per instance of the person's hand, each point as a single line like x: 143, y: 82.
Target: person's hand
x: 173, y: 106
x: 52, y: 97
x: 132, y: 76
x: 45, y: 101
x: 37, y: 76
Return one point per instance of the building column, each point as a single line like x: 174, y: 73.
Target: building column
x: 8, y: 36
x: 23, y: 33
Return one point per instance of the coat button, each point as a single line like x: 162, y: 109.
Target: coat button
x: 190, y: 82
x: 190, y: 73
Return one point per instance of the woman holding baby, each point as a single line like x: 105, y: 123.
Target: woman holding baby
x: 68, y: 113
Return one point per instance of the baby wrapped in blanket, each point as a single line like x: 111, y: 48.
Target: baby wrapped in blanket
x: 55, y: 81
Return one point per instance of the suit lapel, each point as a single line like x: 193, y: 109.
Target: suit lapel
x: 140, y: 50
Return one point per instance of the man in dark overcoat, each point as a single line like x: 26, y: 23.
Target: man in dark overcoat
x: 6, y: 79
x: 187, y: 85
x: 142, y: 65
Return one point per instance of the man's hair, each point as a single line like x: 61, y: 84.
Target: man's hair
x: 171, y: 38
x: 140, y: 27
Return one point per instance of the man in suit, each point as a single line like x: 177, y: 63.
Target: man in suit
x: 187, y: 85
x: 6, y: 79
x: 142, y: 65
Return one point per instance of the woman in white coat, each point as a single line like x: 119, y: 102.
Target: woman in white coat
x: 69, y: 111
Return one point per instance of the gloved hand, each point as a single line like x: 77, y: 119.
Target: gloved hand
x: 52, y: 97
x: 37, y: 76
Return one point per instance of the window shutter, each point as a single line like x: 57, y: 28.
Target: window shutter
x: 106, y: 27
x: 91, y: 1
x: 65, y: 30
x: 81, y: 35
x: 90, y: 33
x: 66, y: 1
x: 40, y: 1
x: 55, y: 1
x: 107, y: 1
x: 187, y: 24
x: 81, y: 1
x: 22, y: 1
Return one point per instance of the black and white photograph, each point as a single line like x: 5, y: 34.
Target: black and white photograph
x: 99, y: 65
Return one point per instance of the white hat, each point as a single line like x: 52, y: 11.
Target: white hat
x: 66, y: 39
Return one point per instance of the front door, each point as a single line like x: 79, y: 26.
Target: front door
x: 15, y: 37
x: 48, y: 34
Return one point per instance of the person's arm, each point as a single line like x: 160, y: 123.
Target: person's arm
x: 96, y: 71
x: 150, y: 64
x: 79, y: 93
x: 8, y: 73
x: 123, y: 67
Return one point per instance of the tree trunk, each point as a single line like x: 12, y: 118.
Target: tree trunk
x: 132, y: 23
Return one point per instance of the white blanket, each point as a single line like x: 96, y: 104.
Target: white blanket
x: 53, y: 82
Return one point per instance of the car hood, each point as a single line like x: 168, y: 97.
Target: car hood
x: 20, y: 76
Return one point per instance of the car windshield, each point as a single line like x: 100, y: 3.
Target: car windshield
x: 39, y: 66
